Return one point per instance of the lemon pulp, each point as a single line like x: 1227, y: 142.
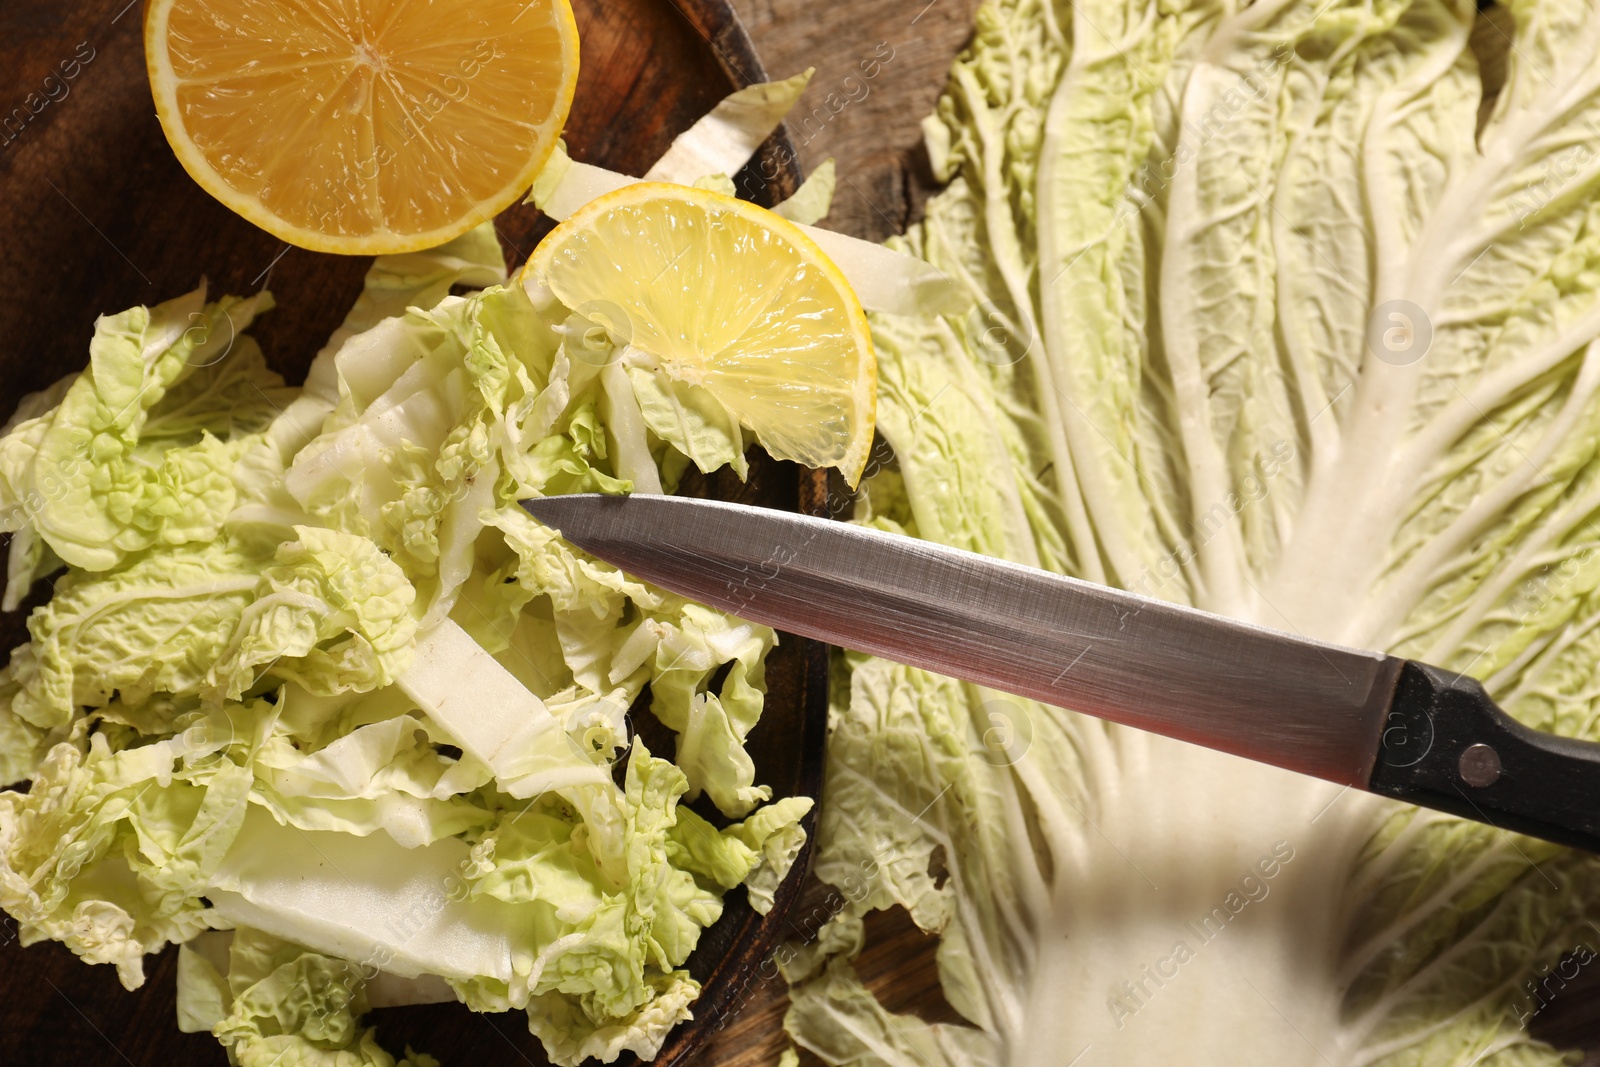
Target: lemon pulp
x: 730, y: 297
x: 362, y: 126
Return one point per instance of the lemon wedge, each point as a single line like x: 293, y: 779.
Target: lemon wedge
x: 377, y: 127
x: 726, y: 296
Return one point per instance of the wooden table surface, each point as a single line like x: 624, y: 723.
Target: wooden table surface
x: 871, y: 128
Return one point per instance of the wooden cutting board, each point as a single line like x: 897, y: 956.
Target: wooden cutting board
x: 97, y: 215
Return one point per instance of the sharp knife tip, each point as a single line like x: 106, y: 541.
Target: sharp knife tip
x: 580, y: 517
x: 560, y: 512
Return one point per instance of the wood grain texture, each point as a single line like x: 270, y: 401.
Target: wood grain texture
x: 98, y: 216
x: 881, y: 65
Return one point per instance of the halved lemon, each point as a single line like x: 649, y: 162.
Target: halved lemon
x: 730, y: 297
x: 362, y: 126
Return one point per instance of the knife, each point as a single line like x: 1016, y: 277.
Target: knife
x: 1388, y: 725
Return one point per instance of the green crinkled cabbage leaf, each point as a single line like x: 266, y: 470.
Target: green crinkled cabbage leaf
x: 111, y: 849
x: 329, y: 611
x: 622, y: 897
x: 280, y: 1004
x: 1276, y: 317
x: 22, y: 744
x: 85, y: 479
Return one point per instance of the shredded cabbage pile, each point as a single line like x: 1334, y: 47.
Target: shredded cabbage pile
x: 309, y: 675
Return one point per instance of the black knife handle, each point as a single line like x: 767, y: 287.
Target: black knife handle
x: 1446, y: 745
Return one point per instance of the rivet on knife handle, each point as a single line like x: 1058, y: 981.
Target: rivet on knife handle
x: 1446, y: 745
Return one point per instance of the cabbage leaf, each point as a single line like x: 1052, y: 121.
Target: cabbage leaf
x: 1283, y: 312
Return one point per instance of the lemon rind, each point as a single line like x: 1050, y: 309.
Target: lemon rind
x: 163, y: 85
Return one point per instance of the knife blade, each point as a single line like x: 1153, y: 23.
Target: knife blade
x: 1358, y: 718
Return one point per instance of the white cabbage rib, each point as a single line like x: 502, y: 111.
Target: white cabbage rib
x: 494, y: 717
x: 1195, y: 221
x: 366, y: 899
